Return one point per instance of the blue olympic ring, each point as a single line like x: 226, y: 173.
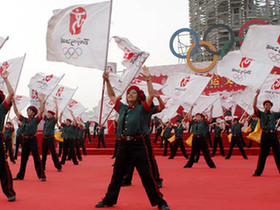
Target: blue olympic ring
x: 173, y: 37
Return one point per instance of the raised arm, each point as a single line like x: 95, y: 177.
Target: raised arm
x: 255, y: 101
x: 190, y: 114
x: 42, y: 107
x: 56, y: 108
x: 160, y: 101
x: 17, y: 113
x: 211, y: 114
x: 9, y: 87
x: 60, y: 118
x: 110, y: 90
x: 74, y: 118
x: 151, y: 93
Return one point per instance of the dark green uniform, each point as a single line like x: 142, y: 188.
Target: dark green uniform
x: 218, y: 141
x: 179, y: 130
x: 165, y: 136
x: 8, y: 142
x: 19, y: 138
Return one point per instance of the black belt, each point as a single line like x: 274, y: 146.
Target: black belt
x: 269, y: 131
x: 47, y: 137
x: 236, y: 134
x: 198, y: 136
x: 129, y: 138
x: 27, y: 137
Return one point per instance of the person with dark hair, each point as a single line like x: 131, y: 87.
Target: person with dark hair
x: 199, y: 131
x: 217, y: 139
x: 5, y: 172
x: 178, y: 129
x: 269, y: 136
x: 18, y: 138
x: 30, y: 142
x: 9, y: 129
x: 87, y: 131
x: 132, y: 147
x: 100, y: 136
x: 236, y: 138
x: 48, y: 143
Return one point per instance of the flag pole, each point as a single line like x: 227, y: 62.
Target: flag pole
x: 106, y: 58
x: 4, y: 42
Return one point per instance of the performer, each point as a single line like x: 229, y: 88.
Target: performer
x: 87, y: 131
x: 269, y: 136
x: 218, y: 139
x: 158, y: 128
x: 69, y: 141
x: 77, y: 143
x: 18, y: 138
x: 30, y: 142
x: 48, y: 142
x: 5, y: 173
x: 80, y: 138
x: 179, y: 129
x: 132, y: 144
x: 199, y: 130
x: 100, y: 136
x: 9, y: 129
x: 236, y: 138
x: 166, y: 135
x: 252, y: 121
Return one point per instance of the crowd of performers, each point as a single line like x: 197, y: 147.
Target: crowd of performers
x: 133, y: 144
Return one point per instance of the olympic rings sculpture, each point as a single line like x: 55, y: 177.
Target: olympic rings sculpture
x: 208, y: 46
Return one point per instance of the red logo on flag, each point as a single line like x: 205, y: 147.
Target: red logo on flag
x: 127, y: 54
x: 166, y: 101
x: 59, y: 91
x: 111, y: 103
x: 34, y: 94
x: 278, y: 40
x: 136, y: 81
x: 73, y: 102
x: 18, y: 98
x: 48, y: 78
x: 77, y: 19
x: 245, y: 62
x: 276, y: 85
x: 109, y: 69
x: 4, y: 68
x: 185, y: 81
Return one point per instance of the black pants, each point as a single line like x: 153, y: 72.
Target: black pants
x: 101, y: 140
x: 199, y: 143
x: 48, y: 144
x: 18, y: 142
x: 87, y: 133
x: 68, y: 149
x: 268, y: 140
x: 77, y: 147
x: 30, y: 144
x: 135, y: 152
x: 116, y: 148
x: 5, y: 173
x: 82, y: 144
x: 236, y: 140
x: 158, y: 132
x: 179, y: 143
x: 60, y: 145
x: 8, y: 143
x: 218, y: 141
x: 208, y: 138
x: 166, y: 143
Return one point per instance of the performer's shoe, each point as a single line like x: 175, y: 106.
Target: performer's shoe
x: 59, y: 169
x: 16, y: 178
x: 187, y: 166
x: 43, y: 179
x: 159, y: 183
x: 163, y: 206
x: 76, y: 163
x: 256, y: 174
x: 227, y: 158
x: 125, y: 183
x: 246, y: 158
x: 14, y: 162
x: 12, y: 198
x: 171, y: 157
x: 213, y: 166
x: 102, y: 204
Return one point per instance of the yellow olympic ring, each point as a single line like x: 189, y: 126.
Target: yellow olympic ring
x: 212, y: 47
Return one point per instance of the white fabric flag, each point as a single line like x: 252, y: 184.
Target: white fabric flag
x: 270, y: 91
x: 245, y: 99
x: 204, y: 102
x: 169, y: 112
x: 63, y: 95
x: 21, y: 102
x: 262, y: 43
x: 217, y: 109
x: 76, y: 107
x: 2, y: 41
x: 143, y: 85
x: 185, y: 87
x: 78, y: 35
x: 14, y: 67
x: 242, y: 70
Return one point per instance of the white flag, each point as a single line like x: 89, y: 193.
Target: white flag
x: 262, y: 43
x: 204, y: 102
x: 245, y: 99
x: 76, y: 107
x: 143, y: 85
x: 78, y: 35
x: 14, y: 67
x: 242, y: 70
x: 2, y: 41
x: 185, y: 87
x: 63, y: 95
x: 21, y: 102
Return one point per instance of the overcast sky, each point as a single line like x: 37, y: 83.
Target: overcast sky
x: 148, y: 24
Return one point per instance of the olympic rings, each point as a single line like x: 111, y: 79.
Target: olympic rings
x: 212, y: 47
x: 249, y: 22
x: 223, y: 51
x: 216, y: 26
x: 72, y: 52
x: 274, y: 57
x: 175, y: 34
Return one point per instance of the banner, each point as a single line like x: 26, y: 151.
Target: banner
x: 203, y: 103
x: 74, y: 106
x: 78, y: 35
x: 242, y: 70
x: 185, y: 87
x: 245, y: 99
x: 21, y: 102
x: 262, y: 43
x: 14, y: 67
x: 63, y: 95
x: 2, y: 41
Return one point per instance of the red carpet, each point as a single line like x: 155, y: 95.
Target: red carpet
x: 230, y: 186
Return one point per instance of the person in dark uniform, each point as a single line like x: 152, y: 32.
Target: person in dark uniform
x: 236, y: 138
x: 100, y: 136
x: 48, y: 142
x: 30, y: 142
x: 69, y: 139
x: 199, y: 130
x: 218, y: 139
x: 269, y: 136
x: 18, y: 138
x: 87, y: 131
x: 9, y: 129
x: 77, y: 143
x: 132, y: 144
x: 80, y: 138
x: 95, y: 124
x: 179, y: 129
x: 165, y: 136
x: 158, y: 128
x: 5, y: 172
x: 117, y: 141
x: 252, y: 121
